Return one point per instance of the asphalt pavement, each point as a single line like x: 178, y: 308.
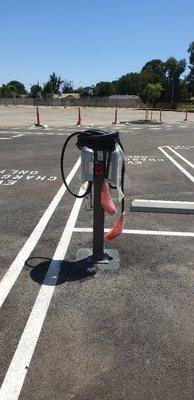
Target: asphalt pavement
x: 116, y: 335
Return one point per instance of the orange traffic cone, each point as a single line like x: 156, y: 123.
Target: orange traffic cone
x: 79, y: 121
x: 106, y: 201
x: 37, y: 117
x: 116, y: 117
x: 117, y: 228
x: 186, y: 116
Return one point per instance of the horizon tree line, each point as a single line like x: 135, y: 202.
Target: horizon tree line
x: 157, y: 81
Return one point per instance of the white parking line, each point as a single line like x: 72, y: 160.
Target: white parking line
x: 180, y: 156
x: 183, y: 170
x: 2, y: 131
x: 13, y: 137
x: 142, y: 232
x: 19, y: 135
x: 14, y: 379
x: 16, y: 267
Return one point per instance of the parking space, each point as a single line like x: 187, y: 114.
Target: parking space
x: 29, y: 180
x: 187, y: 152
x: 114, y: 335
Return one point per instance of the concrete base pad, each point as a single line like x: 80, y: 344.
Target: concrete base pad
x: 110, y: 262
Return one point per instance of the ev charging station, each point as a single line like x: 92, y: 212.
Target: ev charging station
x: 102, y: 170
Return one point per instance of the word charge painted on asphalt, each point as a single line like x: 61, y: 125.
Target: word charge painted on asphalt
x: 12, y: 176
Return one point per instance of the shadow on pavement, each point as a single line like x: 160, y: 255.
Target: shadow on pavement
x: 69, y: 271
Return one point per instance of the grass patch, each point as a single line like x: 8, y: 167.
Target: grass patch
x: 185, y: 107
x: 142, y: 122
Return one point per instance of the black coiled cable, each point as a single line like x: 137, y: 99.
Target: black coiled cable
x: 89, y: 188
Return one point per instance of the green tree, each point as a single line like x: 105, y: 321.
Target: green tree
x: 56, y: 82
x: 152, y: 93
x: 190, y: 77
x: 67, y: 87
x: 85, y: 91
x: 153, y: 72
x: 47, y: 90
x: 157, y: 68
x: 35, y: 91
x: 114, y: 87
x: 183, y: 90
x: 127, y: 84
x: 19, y: 87
x: 103, y: 89
x: 13, y: 89
x: 8, y: 91
x: 174, y: 70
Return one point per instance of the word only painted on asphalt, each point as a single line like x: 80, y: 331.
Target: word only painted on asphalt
x: 12, y: 176
x: 138, y: 160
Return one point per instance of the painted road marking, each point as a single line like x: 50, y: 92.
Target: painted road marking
x: 180, y: 156
x: 7, y: 131
x: 187, y: 147
x: 140, y: 159
x: 142, y: 232
x: 9, y: 177
x: 12, y: 137
x: 183, y: 170
x: 154, y: 128
x: 19, y: 135
x: 14, y: 379
x: 16, y: 267
x: 184, y: 207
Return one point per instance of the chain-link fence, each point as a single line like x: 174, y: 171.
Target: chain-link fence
x: 71, y: 101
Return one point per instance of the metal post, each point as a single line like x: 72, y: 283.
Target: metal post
x: 98, y: 223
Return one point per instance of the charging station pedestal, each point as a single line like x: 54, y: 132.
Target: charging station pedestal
x: 104, y: 147
x: 98, y: 257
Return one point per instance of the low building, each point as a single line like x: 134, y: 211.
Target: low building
x: 69, y: 99
x: 124, y: 100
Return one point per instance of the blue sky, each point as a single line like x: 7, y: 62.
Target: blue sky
x: 86, y: 41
